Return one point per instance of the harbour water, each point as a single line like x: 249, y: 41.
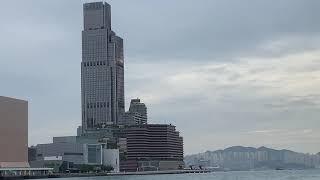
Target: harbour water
x: 236, y: 175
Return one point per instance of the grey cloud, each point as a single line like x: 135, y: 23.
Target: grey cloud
x: 41, y: 53
x: 213, y: 29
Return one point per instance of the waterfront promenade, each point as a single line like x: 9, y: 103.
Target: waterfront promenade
x: 69, y: 175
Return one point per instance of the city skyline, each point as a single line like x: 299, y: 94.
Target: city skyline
x: 241, y: 77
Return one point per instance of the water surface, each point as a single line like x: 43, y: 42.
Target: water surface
x: 244, y: 175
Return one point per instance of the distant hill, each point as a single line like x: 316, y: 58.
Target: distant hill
x: 250, y: 158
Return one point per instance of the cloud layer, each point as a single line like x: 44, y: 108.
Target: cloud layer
x: 225, y: 72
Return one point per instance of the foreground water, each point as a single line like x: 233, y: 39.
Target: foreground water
x: 250, y: 175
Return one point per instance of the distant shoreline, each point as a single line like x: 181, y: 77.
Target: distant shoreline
x: 72, y: 175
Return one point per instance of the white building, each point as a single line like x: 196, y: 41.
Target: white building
x: 98, y: 154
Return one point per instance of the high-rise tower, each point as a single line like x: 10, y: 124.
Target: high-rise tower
x: 102, y: 69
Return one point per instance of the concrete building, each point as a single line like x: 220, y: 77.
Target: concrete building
x: 133, y: 118
x: 14, y: 140
x: 13, y: 132
x: 136, y: 115
x: 32, y: 153
x: 102, y: 69
x: 137, y: 106
x: 153, y: 147
x: 111, y: 158
x: 98, y: 154
x: 69, y: 151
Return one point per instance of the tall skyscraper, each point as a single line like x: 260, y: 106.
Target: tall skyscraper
x: 102, y: 69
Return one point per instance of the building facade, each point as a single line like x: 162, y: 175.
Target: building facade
x: 102, y: 69
x: 136, y: 115
x: 98, y: 154
x: 153, y: 147
x: 136, y: 106
x: 69, y: 151
x: 13, y: 132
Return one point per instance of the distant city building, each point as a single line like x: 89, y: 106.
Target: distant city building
x: 32, y: 153
x: 79, y: 131
x: 14, y: 152
x: 69, y: 151
x: 136, y: 115
x: 133, y: 118
x: 138, y: 107
x: 102, y: 69
x: 98, y: 154
x: 73, y: 151
x: 65, y: 139
x: 13, y: 132
x: 153, y: 147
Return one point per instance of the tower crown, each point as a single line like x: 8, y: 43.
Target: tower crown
x: 97, y: 15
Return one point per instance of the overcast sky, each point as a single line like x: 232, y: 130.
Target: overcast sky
x: 225, y: 72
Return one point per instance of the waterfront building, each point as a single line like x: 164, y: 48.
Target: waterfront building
x: 69, y: 151
x: 153, y: 147
x: 98, y: 154
x: 102, y: 69
x: 13, y: 133
x: 14, y: 140
x: 72, y: 151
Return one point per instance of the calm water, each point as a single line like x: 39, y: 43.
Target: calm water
x: 261, y: 175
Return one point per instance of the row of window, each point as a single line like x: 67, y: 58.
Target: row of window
x: 97, y: 105
x: 94, y: 63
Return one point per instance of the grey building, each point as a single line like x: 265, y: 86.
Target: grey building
x: 133, y: 118
x: 137, y: 106
x: 102, y: 69
x: 153, y: 147
x: 136, y: 115
x: 69, y: 151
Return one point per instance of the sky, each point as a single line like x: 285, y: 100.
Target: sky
x: 224, y: 72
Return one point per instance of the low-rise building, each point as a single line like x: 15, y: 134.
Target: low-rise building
x: 69, y: 151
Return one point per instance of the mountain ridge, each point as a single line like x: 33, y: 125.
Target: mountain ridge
x: 247, y: 147
x: 248, y: 158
